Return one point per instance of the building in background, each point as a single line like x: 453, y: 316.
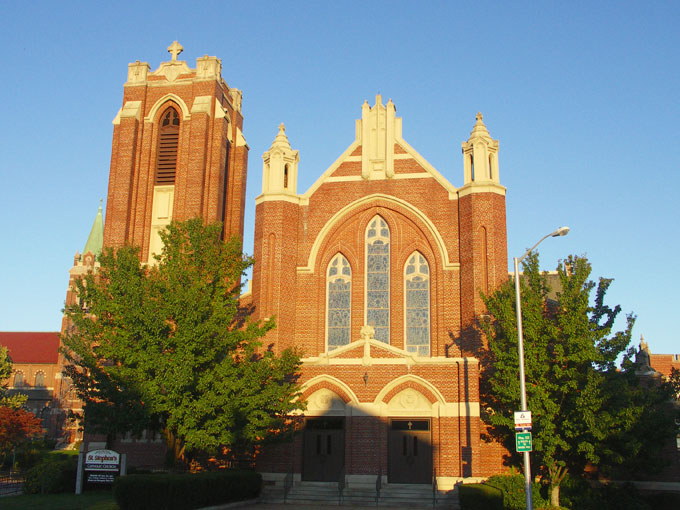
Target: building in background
x: 37, y: 374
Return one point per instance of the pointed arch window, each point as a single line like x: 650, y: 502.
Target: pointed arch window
x: 18, y: 379
x: 378, y: 278
x: 417, y: 288
x: 339, y: 290
x: 166, y: 157
x: 40, y: 379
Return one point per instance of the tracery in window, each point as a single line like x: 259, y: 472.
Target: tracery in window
x: 18, y: 379
x: 378, y: 278
x: 417, y: 288
x: 40, y: 379
x: 339, y: 289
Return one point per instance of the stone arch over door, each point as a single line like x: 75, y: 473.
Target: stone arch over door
x: 323, y: 455
x: 411, y: 405
x: 325, y: 402
x: 337, y: 388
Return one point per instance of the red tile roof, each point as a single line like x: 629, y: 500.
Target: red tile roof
x: 664, y: 363
x: 31, y: 347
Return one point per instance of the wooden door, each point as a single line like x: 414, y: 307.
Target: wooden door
x: 323, y: 449
x: 410, y: 452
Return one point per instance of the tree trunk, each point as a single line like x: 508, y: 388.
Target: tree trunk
x: 175, y: 449
x: 554, y: 495
x: 556, y: 474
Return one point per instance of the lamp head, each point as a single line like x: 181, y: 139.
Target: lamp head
x: 562, y: 231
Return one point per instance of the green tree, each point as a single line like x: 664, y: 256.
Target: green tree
x: 17, y: 426
x: 167, y: 346
x: 584, y: 410
x: 18, y: 399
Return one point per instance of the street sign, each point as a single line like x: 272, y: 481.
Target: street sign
x: 523, y: 441
x: 522, y: 420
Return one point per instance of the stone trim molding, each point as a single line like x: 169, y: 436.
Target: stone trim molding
x: 186, y: 115
x: 426, y: 221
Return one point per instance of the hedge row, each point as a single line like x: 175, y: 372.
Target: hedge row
x: 500, y: 492
x: 185, y: 491
x: 53, y: 475
x: 477, y: 496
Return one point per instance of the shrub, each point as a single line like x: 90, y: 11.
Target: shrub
x: 52, y: 476
x: 578, y: 493
x: 185, y: 491
x: 622, y: 497
x: 478, y: 496
x: 663, y: 500
x: 512, y: 487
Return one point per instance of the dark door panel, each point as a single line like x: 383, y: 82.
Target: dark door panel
x: 410, y: 452
x: 323, y: 449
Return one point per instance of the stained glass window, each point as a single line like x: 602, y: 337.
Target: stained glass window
x: 339, y: 278
x: 378, y: 278
x: 417, y: 285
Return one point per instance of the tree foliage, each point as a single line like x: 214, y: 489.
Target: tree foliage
x: 18, y: 399
x: 168, y: 346
x: 584, y: 409
x: 16, y: 427
x: 16, y: 424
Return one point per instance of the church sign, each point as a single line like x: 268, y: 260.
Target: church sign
x: 101, y: 466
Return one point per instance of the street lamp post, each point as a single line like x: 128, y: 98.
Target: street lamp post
x: 562, y: 231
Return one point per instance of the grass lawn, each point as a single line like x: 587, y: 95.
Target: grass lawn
x: 97, y: 500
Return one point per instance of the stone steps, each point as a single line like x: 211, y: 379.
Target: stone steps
x: 361, y: 495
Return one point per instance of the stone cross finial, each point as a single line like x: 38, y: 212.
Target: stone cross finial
x: 367, y: 332
x: 175, y: 49
x: 479, y: 116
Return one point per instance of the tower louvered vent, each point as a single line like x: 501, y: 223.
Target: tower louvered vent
x: 166, y: 162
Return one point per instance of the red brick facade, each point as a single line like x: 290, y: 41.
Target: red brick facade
x: 211, y: 156
x: 209, y: 182
x: 461, y: 233
x: 36, y: 372
x: 375, y: 405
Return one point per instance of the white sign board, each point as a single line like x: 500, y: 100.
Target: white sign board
x: 522, y: 420
x: 102, y: 460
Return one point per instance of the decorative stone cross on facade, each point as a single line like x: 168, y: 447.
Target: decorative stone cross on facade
x: 175, y: 49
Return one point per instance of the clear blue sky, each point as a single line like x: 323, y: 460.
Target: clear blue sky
x: 583, y: 97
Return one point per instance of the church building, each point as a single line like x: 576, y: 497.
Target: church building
x: 373, y: 274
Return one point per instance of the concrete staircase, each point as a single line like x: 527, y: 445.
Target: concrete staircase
x: 359, y: 495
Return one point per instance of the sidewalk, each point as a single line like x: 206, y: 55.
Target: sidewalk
x: 255, y: 505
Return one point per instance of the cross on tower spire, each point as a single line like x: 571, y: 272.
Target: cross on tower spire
x: 175, y: 49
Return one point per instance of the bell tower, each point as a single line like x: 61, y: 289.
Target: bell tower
x: 178, y: 152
